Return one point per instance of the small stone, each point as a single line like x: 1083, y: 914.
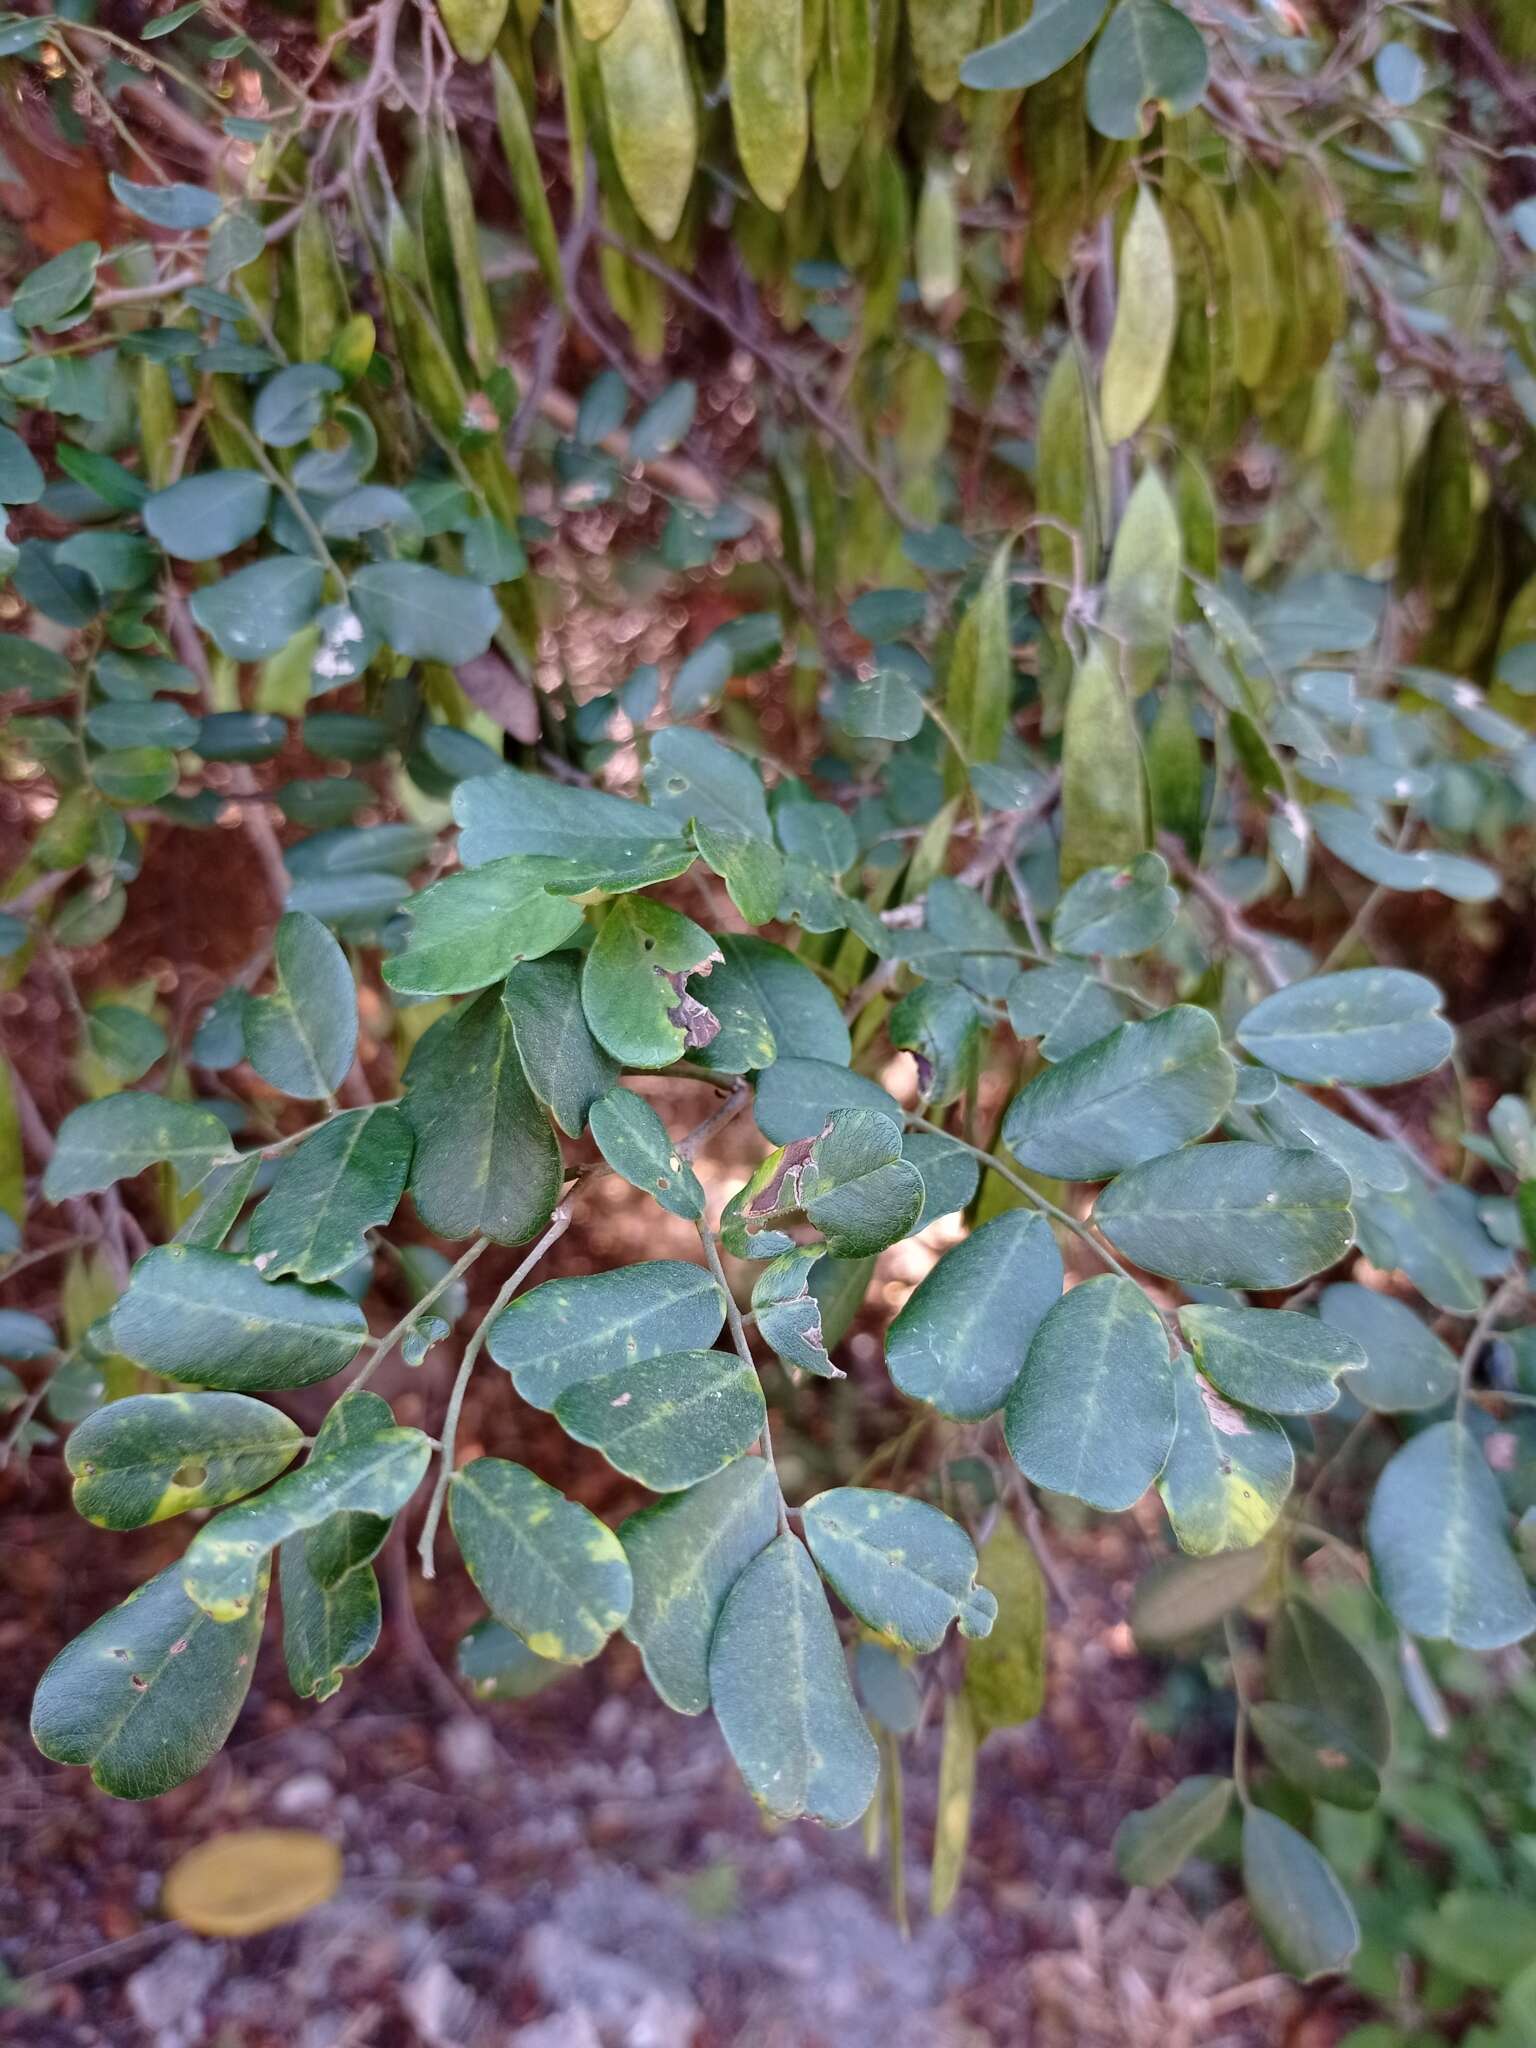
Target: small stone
x: 466, y: 1748
x: 309, y: 1792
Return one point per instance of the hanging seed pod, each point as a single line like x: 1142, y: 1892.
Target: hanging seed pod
x: 517, y: 146
x: 843, y: 91
x: 156, y: 406
x: 477, y: 320
x: 943, y: 32
x: 936, y: 241
x: 473, y: 26
x: 1103, y: 783
x: 1146, y: 309
x: 320, y: 300
x: 648, y: 94
x: 765, y: 65
x: 1055, y: 136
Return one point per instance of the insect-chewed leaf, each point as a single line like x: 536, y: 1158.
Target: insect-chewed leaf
x: 1270, y: 1358
x: 770, y: 1007
x: 1005, y: 1671
x: 765, y: 67
x: 375, y: 1476
x: 570, y: 1330
x: 649, y: 96
x: 1146, y: 308
x: 1153, y: 1846
x: 1116, y: 912
x: 147, y: 1695
x: 901, y: 1566
x: 473, y: 928
x: 779, y: 1685
x: 327, y: 1630
x: 957, y: 1793
x: 1312, y: 1663
x: 669, y: 1421
x: 686, y: 1553
x: 1308, y: 1747
x: 110, y: 1140
x: 547, y: 1568
x: 1064, y: 1007
x: 960, y: 1341
x: 1228, y: 1469
x: 212, y: 1321
x: 1369, y: 1027
x: 1141, y: 591
x: 151, y: 1456
x: 692, y: 777
x: 1149, y: 51
x: 1296, y: 1899
x: 788, y: 1314
x: 1403, y: 1366
x: 251, y: 1880
x: 1438, y: 1536
x: 301, y: 1037
x: 795, y: 1096
x: 345, y: 1179
x: 1139, y: 1092
x: 1092, y: 1413
x: 1233, y: 1215
x: 634, y: 984
x: 850, y: 1180
x: 563, y: 1063
x: 635, y: 1142
x: 486, y: 1161
x: 940, y: 1025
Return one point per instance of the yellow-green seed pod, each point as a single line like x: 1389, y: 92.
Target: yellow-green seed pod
x: 1146, y: 309
x: 156, y: 405
x: 352, y: 350
x: 648, y: 93
x: 957, y: 1792
x: 1176, y: 768
x: 320, y: 301
x: 517, y: 146
x: 1103, y: 783
x: 598, y: 18
x: 813, y: 30
x: 1254, y: 312
x: 473, y: 26
x: 843, y: 89
x: 1055, y: 133
x: 1440, y: 526
x: 481, y: 340
x: 765, y: 66
x: 1071, y: 482
x: 431, y: 376
x: 978, y: 683
x: 1371, y: 507
x: 936, y: 241
x: 943, y: 31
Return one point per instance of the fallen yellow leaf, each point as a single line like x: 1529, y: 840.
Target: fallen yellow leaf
x: 247, y: 1882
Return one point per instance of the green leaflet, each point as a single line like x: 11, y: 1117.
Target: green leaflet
x: 344, y: 1180
x: 302, y: 1037
x: 1054, y: 34
x: 1143, y: 1090
x: 936, y: 240
x: 1113, y: 913
x: 212, y: 1321
x: 961, y: 1339
x: 1228, y: 1470
x: 1274, y: 1359
x: 633, y: 985
x: 794, y: 1097
x: 1437, y: 1536
x: 569, y: 1330
x: 151, y: 1456
x: 1153, y: 1846
x: 651, y: 124
x: 686, y: 1553
x: 473, y: 928
x: 1401, y: 1366
x: 499, y: 1665
x: 1181, y: 1599
x: 226, y: 1561
x: 1146, y: 308
x: 1233, y: 1215
x: 788, y: 1313
x: 692, y: 777
x: 546, y: 1568
x: 203, y: 517
x: 901, y: 1566
x: 147, y: 1695
x: 327, y: 1631
x: 779, y: 1684
x: 1105, y: 820
x: 765, y: 69
x: 1064, y: 1007
x: 340, y: 1544
x: 669, y: 1421
x: 1092, y: 1413
x: 1149, y: 51
x: 634, y: 1141
x: 1296, y: 1899
x: 1369, y: 1027
x: 770, y: 1006
x: 111, y: 1140
x: 978, y: 688
x: 562, y: 1062
x: 1306, y: 1746
x: 486, y: 1162
x: 1312, y: 1664
x: 1005, y: 1671
x: 850, y: 1180
x: 957, y: 1794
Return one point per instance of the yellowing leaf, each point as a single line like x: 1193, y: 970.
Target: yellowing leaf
x: 1103, y: 792
x: 649, y: 95
x: 252, y: 1880
x: 765, y: 65
x: 1142, y: 340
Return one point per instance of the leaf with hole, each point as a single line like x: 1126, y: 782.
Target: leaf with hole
x: 634, y: 983
x: 1228, y: 1471
x: 344, y: 1180
x: 151, y: 1456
